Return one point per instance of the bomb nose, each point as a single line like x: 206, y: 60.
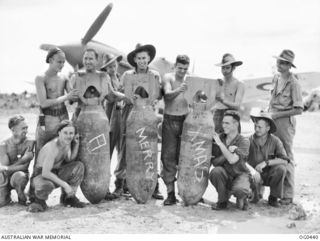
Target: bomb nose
x: 91, y: 92
x: 141, y: 92
x: 203, y: 97
x: 200, y: 96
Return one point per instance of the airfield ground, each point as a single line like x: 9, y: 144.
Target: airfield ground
x: 126, y: 216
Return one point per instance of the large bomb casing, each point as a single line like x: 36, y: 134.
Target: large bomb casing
x: 195, y: 154
x: 196, y: 140
x: 94, y: 152
x: 147, y: 81
x: 210, y: 87
x: 141, y: 152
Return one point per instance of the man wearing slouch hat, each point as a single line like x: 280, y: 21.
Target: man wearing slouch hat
x: 231, y: 90
x: 139, y: 58
x: 285, y: 104
x: 268, y: 158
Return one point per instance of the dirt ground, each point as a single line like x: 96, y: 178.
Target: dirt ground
x: 126, y: 216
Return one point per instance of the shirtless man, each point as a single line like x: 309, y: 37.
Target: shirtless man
x: 175, y: 111
x: 56, y: 167
x: 93, y: 86
x: 51, y: 95
x: 16, y: 154
x: 232, y: 91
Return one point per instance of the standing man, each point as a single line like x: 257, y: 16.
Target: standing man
x: 231, y: 91
x: 16, y: 154
x: 113, y: 108
x: 56, y: 166
x: 268, y: 156
x: 175, y: 111
x: 230, y: 174
x: 139, y: 58
x: 285, y: 103
x: 51, y: 89
x: 93, y: 87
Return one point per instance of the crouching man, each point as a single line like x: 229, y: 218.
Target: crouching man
x: 56, y: 167
x: 230, y: 175
x: 268, y: 158
x: 16, y: 154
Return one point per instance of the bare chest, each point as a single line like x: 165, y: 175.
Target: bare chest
x: 230, y: 90
x: 63, y: 155
x: 175, y: 84
x: 16, y: 151
x: 54, y: 87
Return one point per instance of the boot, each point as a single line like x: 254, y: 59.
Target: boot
x: 273, y: 201
x: 245, y: 205
x: 22, y: 199
x: 255, y: 195
x: 126, y: 189
x: 156, y: 194
x: 242, y: 203
x: 37, y: 205
x: 119, y: 188
x: 171, y: 199
x: 110, y: 196
x: 220, y: 206
x: 73, y: 202
x: 286, y: 201
x: 19, y: 187
x: 62, y: 197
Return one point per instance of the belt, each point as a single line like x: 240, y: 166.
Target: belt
x: 221, y: 110
x: 174, y: 117
x: 55, y: 112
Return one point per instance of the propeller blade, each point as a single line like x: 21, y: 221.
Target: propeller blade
x: 193, y: 66
x: 97, y: 24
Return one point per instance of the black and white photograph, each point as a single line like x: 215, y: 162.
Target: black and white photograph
x: 159, y: 117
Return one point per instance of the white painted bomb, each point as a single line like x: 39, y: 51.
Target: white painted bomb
x: 94, y: 152
x: 195, y: 153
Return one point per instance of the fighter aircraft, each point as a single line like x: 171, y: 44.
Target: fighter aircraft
x: 257, y: 90
x: 74, y: 51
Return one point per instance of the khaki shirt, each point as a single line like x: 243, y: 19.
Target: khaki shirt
x: 242, y: 143
x: 288, y: 97
x: 273, y: 148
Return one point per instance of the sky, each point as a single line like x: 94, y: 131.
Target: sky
x: 252, y: 30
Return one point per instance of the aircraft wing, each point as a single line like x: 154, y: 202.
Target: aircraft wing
x: 258, y: 90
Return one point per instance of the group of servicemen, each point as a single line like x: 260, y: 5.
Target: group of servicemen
x: 241, y: 165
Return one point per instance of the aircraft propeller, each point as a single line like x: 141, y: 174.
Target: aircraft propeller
x: 95, y: 27
x: 74, y: 51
